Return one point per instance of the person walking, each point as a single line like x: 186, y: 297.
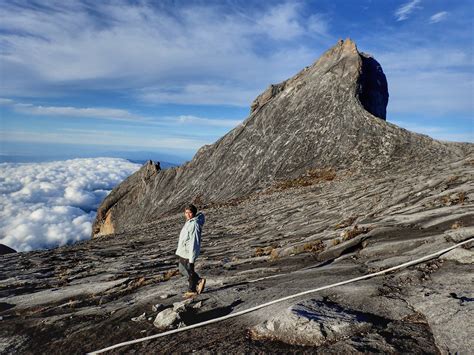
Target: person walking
x: 189, y: 247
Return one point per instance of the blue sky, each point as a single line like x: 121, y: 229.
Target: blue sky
x: 91, y: 78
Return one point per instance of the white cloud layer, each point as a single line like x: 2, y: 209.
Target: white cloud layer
x: 45, y: 205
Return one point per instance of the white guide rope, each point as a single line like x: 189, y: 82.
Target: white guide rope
x: 236, y: 314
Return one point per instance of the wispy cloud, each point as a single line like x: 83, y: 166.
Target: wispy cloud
x: 118, y: 115
x: 428, y: 81
x: 438, y: 17
x: 131, y: 47
x: 317, y: 23
x: 404, y: 11
x: 67, y: 111
x: 282, y: 22
x: 198, y: 93
x: 186, y: 119
x: 4, y: 101
x: 109, y: 138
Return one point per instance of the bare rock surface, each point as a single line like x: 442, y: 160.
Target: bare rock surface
x: 423, y: 309
x: 327, y: 213
x: 331, y: 115
x: 166, y: 319
x: 312, y: 323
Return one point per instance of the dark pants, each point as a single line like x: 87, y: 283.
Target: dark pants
x: 187, y: 269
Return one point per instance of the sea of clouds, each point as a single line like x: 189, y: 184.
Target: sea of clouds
x: 45, y: 205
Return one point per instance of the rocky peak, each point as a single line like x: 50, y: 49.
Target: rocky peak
x: 372, y: 88
x: 329, y: 115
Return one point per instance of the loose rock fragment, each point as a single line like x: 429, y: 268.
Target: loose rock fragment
x: 181, y: 306
x: 140, y: 318
x: 165, y: 319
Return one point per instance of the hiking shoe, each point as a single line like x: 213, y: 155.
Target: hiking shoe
x: 190, y: 294
x: 200, y: 286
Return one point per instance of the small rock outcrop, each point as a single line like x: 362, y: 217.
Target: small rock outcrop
x: 6, y: 249
x: 329, y: 115
x: 131, y: 190
x: 311, y: 323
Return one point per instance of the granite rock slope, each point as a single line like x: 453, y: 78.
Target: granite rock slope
x: 329, y: 115
x: 289, y: 239
x: 367, y: 196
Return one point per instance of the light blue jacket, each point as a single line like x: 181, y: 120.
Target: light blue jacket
x: 189, y: 244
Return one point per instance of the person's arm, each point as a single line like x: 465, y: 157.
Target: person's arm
x: 195, y: 243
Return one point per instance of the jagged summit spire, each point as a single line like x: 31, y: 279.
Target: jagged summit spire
x: 346, y: 46
x: 360, y: 74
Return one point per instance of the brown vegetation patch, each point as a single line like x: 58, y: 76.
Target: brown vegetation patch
x: 310, y: 247
x: 336, y: 241
x: 169, y: 274
x: 416, y: 317
x: 449, y: 200
x: 314, y: 247
x: 311, y: 177
x: 264, y: 251
x: 354, y: 232
x: 452, y: 179
x: 346, y: 223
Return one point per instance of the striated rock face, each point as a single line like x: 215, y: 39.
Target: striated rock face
x: 329, y: 115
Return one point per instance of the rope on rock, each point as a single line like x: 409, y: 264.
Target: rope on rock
x: 236, y: 314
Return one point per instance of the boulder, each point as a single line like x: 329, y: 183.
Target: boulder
x: 166, y: 319
x: 311, y: 323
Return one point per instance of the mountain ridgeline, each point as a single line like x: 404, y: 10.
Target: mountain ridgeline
x: 329, y: 115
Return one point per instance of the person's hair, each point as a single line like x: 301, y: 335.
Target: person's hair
x: 192, y: 208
